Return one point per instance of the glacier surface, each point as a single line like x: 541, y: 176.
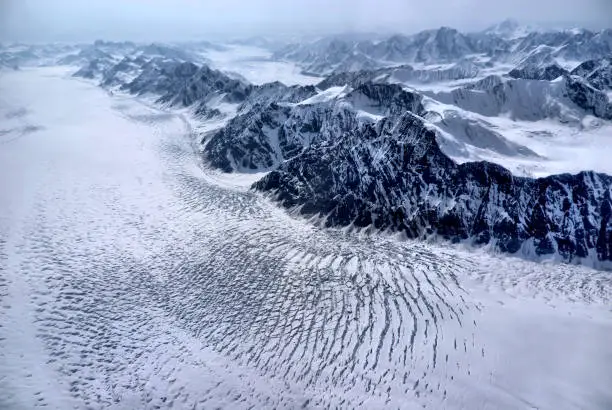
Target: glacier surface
x: 132, y: 277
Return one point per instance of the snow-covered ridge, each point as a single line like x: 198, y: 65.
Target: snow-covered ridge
x: 567, y: 99
x: 273, y: 132
x: 304, y: 135
x: 598, y: 73
x: 508, y: 42
x: 393, y: 176
x: 333, y: 161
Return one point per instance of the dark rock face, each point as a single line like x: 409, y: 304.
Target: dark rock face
x: 352, y: 79
x: 203, y: 84
x: 270, y: 133
x: 385, y: 99
x: 247, y: 142
x: 87, y: 72
x: 393, y: 175
x: 161, y: 77
x: 275, y: 92
x: 588, y: 98
x: 535, y: 72
x: 205, y: 112
x: 186, y: 84
x: 598, y: 73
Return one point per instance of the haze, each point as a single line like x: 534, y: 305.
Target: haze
x: 69, y: 20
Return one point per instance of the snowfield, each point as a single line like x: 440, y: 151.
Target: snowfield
x: 131, y: 277
x: 527, y: 148
x: 255, y: 65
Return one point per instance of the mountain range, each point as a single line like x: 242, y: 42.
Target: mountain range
x: 406, y: 134
x: 506, y: 44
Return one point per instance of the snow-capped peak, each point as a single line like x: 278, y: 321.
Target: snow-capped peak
x: 509, y: 29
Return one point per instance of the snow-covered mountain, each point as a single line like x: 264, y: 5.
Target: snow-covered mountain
x: 507, y: 42
x: 538, y: 71
x: 14, y: 56
x: 572, y: 45
x: 395, y: 136
x: 118, y: 63
x: 597, y: 73
x: 160, y: 77
x: 509, y: 29
x: 268, y: 134
x: 405, y: 74
x: 393, y: 175
x: 568, y: 99
x: 203, y: 84
x: 367, y: 158
x: 132, y: 278
x: 201, y: 225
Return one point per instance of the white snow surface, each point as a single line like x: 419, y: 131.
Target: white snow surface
x: 327, y: 95
x: 132, y: 278
x: 559, y: 147
x: 255, y: 65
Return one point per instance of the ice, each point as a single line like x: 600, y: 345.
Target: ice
x: 255, y: 64
x: 330, y: 94
x: 133, y: 277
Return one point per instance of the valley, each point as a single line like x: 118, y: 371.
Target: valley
x: 214, y: 226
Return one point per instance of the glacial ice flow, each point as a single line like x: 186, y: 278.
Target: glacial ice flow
x: 131, y: 277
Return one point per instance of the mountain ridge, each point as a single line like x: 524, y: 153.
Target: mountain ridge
x: 364, y: 149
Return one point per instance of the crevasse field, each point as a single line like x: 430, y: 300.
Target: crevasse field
x: 131, y: 277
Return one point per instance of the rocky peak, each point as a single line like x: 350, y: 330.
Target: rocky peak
x: 598, y: 73
x: 547, y: 72
x: 416, y: 189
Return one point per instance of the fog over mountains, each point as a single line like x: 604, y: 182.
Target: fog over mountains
x: 175, y: 20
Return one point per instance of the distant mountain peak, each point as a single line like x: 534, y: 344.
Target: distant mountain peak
x: 509, y: 29
x: 509, y: 23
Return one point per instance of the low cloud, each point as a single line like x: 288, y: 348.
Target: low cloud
x: 52, y: 20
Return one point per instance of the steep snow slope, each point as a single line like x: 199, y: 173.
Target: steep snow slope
x: 527, y: 148
x: 509, y: 29
x: 527, y: 100
x: 566, y: 122
x: 130, y: 278
x: 270, y: 133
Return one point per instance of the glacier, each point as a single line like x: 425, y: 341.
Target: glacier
x: 145, y: 262
x: 134, y: 278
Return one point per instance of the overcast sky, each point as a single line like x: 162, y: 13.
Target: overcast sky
x: 69, y: 20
